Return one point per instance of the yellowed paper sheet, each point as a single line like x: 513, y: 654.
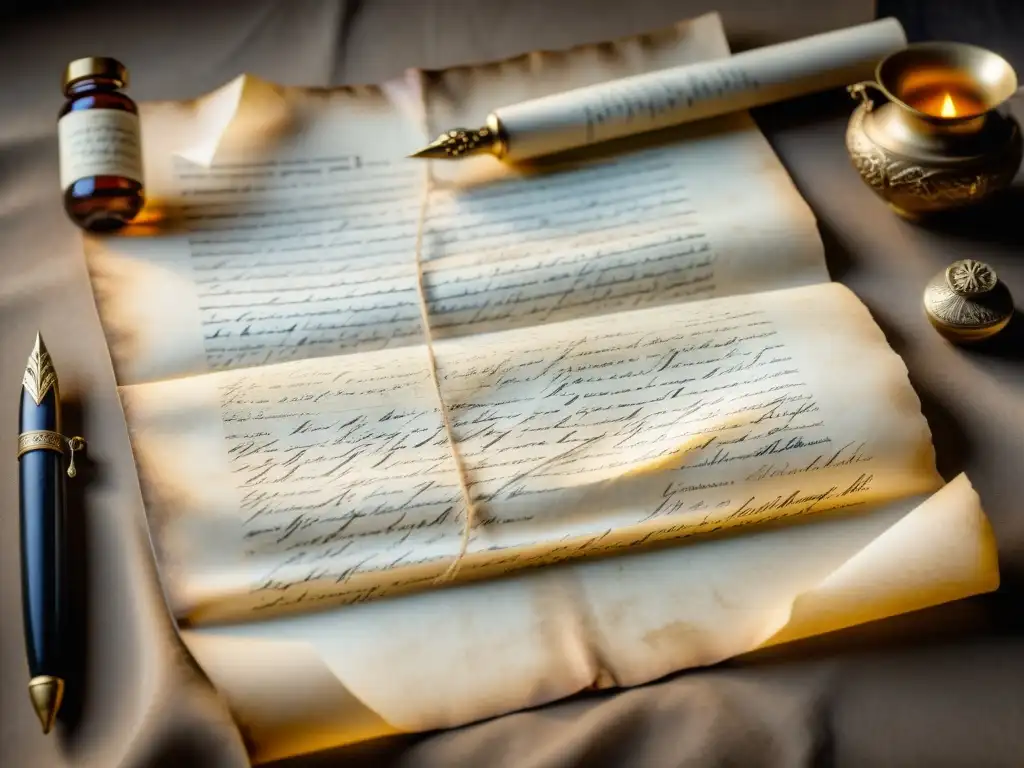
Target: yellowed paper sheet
x: 299, y: 240
x: 529, y: 639
x: 330, y: 480
x: 637, y: 345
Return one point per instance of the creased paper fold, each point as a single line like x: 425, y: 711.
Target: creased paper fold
x: 369, y: 670
x: 247, y: 109
x: 944, y: 550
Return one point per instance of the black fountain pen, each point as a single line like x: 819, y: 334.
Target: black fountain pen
x: 41, y: 458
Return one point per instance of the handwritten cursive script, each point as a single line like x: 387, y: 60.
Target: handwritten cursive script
x: 674, y: 423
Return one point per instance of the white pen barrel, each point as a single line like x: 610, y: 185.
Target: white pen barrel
x: 684, y: 94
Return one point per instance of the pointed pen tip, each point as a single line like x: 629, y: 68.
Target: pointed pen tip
x: 46, y: 693
x: 460, y: 142
x: 433, y: 151
x: 39, y: 376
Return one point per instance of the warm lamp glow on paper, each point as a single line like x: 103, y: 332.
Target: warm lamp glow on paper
x: 685, y: 442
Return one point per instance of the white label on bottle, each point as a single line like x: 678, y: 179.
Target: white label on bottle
x: 99, y: 142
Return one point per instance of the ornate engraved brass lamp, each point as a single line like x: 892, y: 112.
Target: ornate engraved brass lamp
x: 943, y: 137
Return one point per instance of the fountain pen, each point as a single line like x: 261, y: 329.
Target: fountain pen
x: 41, y: 465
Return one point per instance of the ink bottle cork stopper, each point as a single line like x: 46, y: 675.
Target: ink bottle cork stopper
x: 100, y: 149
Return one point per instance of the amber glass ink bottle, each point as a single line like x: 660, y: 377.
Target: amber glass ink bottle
x: 100, y: 149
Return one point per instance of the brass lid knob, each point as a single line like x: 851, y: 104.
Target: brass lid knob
x: 967, y: 302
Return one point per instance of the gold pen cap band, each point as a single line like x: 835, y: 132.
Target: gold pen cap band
x: 45, y: 440
x: 40, y: 440
x: 95, y: 66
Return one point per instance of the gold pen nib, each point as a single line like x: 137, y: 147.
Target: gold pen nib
x: 47, y: 692
x: 39, y: 348
x: 461, y: 142
x: 39, y: 373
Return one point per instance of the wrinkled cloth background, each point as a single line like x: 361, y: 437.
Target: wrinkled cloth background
x: 939, y: 688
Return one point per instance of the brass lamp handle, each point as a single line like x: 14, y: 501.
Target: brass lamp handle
x: 860, y: 91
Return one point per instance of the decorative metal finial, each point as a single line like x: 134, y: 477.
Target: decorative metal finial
x: 967, y: 302
x: 970, y: 278
x: 74, y: 444
x: 39, y: 372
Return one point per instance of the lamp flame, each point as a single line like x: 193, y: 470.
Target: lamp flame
x: 948, y: 107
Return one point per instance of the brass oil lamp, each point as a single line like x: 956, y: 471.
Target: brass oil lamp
x: 942, y: 136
